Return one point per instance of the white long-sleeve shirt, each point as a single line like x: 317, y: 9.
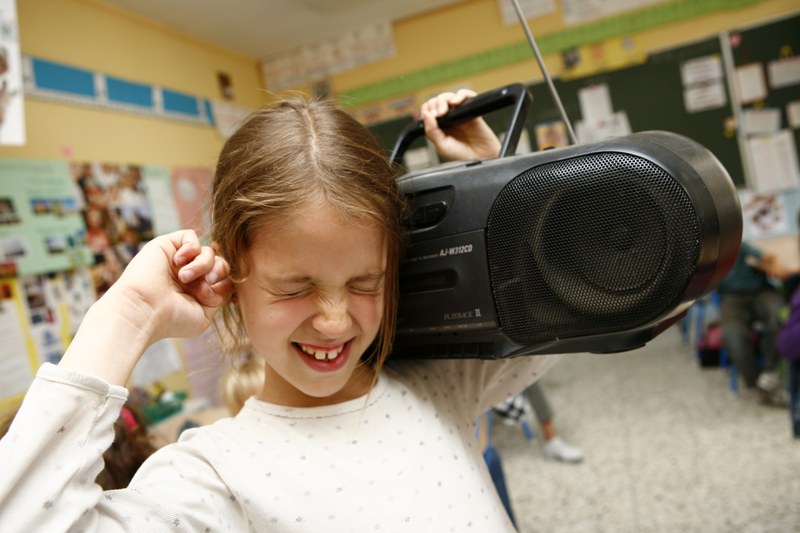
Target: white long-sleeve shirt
x: 402, y: 458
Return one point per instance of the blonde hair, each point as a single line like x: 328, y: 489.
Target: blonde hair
x: 299, y: 151
x: 242, y: 380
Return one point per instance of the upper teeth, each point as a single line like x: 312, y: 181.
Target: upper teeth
x: 321, y: 355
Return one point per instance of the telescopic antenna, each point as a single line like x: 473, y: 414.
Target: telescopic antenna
x: 570, y: 132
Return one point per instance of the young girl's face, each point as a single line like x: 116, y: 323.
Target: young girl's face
x: 312, y: 304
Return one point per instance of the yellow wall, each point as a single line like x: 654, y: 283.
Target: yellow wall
x: 474, y: 26
x: 92, y: 35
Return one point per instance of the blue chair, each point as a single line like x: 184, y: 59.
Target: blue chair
x: 697, y: 315
x: 492, y: 458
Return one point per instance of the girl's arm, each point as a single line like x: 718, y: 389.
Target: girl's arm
x: 52, y: 453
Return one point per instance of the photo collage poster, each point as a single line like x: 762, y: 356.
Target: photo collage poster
x: 67, y: 231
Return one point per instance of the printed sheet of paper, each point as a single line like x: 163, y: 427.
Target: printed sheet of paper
x: 582, y: 11
x: 750, y: 83
x: 161, y: 359
x: 784, y: 72
x: 530, y: 9
x: 595, y: 103
x: 158, y: 183
x: 16, y: 373
x: 703, y: 85
x: 774, y: 161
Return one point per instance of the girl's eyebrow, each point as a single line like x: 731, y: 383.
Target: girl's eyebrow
x: 286, y: 279
x: 370, y: 276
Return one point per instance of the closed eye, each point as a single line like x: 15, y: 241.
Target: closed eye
x: 373, y: 287
x: 369, y: 284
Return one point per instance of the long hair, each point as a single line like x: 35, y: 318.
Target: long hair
x: 295, y: 152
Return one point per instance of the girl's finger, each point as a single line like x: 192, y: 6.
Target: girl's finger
x: 218, y: 272
x: 187, y: 246
x: 199, y: 266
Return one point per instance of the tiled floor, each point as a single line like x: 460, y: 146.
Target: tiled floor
x: 668, y: 449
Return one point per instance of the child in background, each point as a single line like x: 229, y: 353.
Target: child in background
x: 788, y: 344
x: 306, y: 246
x: 516, y: 410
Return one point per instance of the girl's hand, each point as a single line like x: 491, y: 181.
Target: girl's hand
x: 178, y: 283
x: 473, y: 139
x: 171, y: 288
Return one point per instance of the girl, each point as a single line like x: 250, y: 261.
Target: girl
x: 306, y: 245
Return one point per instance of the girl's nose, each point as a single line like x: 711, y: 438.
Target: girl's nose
x: 333, y: 318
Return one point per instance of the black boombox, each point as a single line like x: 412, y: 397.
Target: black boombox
x: 588, y: 248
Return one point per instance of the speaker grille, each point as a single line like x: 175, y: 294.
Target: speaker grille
x: 590, y: 245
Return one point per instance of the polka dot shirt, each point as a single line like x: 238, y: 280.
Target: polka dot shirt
x: 402, y: 458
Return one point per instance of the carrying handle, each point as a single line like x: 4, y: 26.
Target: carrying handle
x: 515, y: 94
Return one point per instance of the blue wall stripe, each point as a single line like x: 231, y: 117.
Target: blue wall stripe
x: 209, y: 113
x: 61, y: 78
x: 126, y: 92
x: 180, y: 103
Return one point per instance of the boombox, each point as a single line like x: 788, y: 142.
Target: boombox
x: 588, y: 248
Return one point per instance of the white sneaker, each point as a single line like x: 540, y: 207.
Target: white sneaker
x: 768, y: 381
x: 558, y: 450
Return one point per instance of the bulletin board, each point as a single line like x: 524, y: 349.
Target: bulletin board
x: 652, y: 96
x: 766, y: 60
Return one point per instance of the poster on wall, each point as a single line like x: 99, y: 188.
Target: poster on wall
x: 190, y: 187
x: 764, y: 215
x: 158, y: 183
x: 41, y: 228
x: 12, y: 111
x: 39, y: 316
x: 114, y: 205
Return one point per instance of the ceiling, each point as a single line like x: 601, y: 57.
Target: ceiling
x: 266, y: 28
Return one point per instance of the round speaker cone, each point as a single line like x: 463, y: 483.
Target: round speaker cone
x: 588, y: 245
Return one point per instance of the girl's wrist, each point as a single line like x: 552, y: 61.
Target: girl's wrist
x: 111, y: 338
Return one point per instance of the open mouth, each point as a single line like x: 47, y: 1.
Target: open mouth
x: 321, y: 354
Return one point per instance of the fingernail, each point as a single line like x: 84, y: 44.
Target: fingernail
x: 212, y: 278
x: 186, y: 275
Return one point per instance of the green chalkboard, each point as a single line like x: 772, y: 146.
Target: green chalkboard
x: 651, y: 94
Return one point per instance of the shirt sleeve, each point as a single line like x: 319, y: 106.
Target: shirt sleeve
x: 53, y: 452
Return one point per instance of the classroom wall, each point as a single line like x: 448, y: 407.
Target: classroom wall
x: 93, y: 35
x: 475, y: 26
